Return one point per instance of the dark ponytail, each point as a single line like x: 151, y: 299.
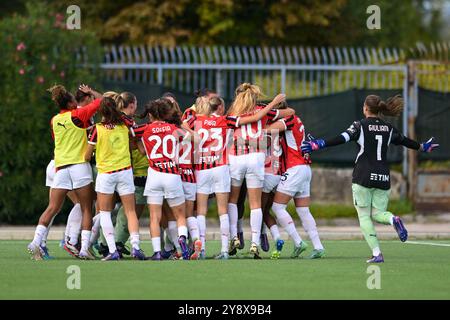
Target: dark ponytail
x: 393, y: 106
x: 109, y: 112
x: 163, y: 110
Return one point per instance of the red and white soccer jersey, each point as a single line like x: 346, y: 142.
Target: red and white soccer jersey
x: 275, y: 164
x: 297, y: 178
x: 212, y: 173
x: 247, y: 138
x: 161, y: 144
x: 212, y: 131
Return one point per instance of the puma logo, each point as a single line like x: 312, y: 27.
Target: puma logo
x: 62, y: 125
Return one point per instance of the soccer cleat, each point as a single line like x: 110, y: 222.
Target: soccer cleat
x: 35, y: 252
x: 377, y: 259
x: 254, y: 250
x: 102, y: 250
x: 241, y: 240
x: 299, y: 250
x: 166, y: 254
x: 202, y: 255
x: 317, y: 254
x: 112, y: 256
x: 71, y: 249
x: 400, y: 228
x: 265, y: 246
x: 277, y: 253
x: 45, y: 254
x: 280, y: 244
x: 122, y: 249
x: 234, y: 245
x: 222, y: 256
x: 156, y: 256
x: 86, y: 255
x: 197, y: 250
x: 138, y: 254
x: 184, y: 248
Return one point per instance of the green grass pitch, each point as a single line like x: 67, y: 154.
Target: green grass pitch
x: 411, y: 271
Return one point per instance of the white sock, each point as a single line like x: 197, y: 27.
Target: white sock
x: 108, y: 230
x: 376, y: 252
x: 256, y: 218
x: 44, y: 238
x: 286, y: 222
x: 182, y: 231
x: 309, y: 224
x: 233, y: 216
x: 275, y: 232
x: 240, y: 225
x: 173, y: 233
x: 74, y: 223
x: 193, y: 228
x: 95, y: 231
x: 39, y: 234
x: 168, y: 245
x: 134, y: 240
x: 202, y: 229
x: 391, y: 220
x: 156, y: 243
x: 224, y: 231
x: 85, y: 237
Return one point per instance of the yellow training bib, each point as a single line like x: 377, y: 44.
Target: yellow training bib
x: 112, y: 149
x: 70, y: 140
x: 139, y: 163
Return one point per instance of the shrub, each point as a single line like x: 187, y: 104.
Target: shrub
x: 38, y: 51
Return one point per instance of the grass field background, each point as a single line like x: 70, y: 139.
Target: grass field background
x: 411, y: 271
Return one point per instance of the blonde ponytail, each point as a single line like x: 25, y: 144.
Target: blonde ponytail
x: 246, y: 97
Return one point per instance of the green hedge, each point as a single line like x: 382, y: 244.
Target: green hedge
x: 37, y: 52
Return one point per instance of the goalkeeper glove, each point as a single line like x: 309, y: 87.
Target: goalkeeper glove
x: 429, y: 145
x: 312, y: 144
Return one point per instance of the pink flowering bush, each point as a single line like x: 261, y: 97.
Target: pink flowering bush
x: 37, y: 52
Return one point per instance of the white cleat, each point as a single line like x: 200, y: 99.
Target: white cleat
x: 35, y: 252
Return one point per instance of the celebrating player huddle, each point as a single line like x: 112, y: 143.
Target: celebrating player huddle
x: 174, y: 163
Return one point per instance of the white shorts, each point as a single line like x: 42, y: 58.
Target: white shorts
x: 121, y: 181
x: 161, y: 185
x: 190, y: 190
x: 249, y: 167
x: 271, y: 182
x: 50, y: 173
x: 296, y: 181
x: 214, y: 180
x: 73, y: 177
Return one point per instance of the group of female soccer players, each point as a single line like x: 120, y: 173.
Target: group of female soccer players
x: 176, y: 162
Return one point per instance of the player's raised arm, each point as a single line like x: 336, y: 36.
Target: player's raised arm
x: 263, y: 112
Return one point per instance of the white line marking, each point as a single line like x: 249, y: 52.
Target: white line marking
x: 429, y: 243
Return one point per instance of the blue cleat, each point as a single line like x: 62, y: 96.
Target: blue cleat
x: 265, y: 246
x: 45, y: 254
x: 202, y: 255
x: 184, y: 247
x: 166, y: 254
x: 280, y: 244
x: 138, y: 254
x: 400, y: 228
x: 156, y: 256
x: 112, y: 256
x: 377, y: 259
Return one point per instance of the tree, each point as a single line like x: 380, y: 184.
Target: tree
x: 37, y: 52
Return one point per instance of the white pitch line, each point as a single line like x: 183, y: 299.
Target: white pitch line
x: 429, y: 244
